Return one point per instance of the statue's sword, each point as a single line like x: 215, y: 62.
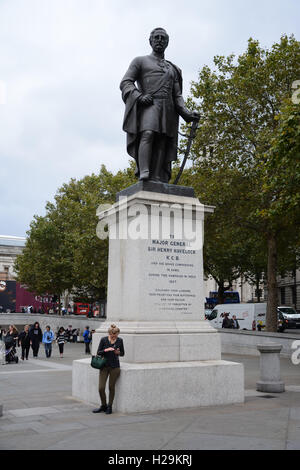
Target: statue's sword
x: 191, y: 137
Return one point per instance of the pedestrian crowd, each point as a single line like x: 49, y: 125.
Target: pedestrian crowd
x: 54, y: 310
x: 109, y: 350
x: 32, y: 337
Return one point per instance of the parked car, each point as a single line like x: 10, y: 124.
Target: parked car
x: 207, y: 312
x: 287, y: 318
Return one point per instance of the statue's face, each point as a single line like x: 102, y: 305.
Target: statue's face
x: 159, y: 41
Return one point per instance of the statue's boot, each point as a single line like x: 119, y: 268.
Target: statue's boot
x: 145, y: 152
x: 158, y: 171
x: 144, y: 164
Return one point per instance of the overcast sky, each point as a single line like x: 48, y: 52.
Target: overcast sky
x: 61, y: 64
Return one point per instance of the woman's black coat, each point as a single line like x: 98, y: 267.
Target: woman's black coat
x: 35, y: 338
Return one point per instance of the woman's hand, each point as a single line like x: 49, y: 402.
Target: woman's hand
x: 117, y: 351
x: 109, y: 349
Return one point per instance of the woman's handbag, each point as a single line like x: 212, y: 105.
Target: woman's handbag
x: 98, y: 362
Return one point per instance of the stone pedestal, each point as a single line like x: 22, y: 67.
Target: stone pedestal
x: 270, y: 380
x: 155, y: 342
x: 164, y: 386
x: 155, y: 258
x: 155, y: 296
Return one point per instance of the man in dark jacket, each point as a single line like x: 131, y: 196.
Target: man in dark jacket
x: 24, y: 341
x: 152, y: 110
x: 227, y: 322
x: 87, y: 338
x: 235, y: 323
x: 36, y: 336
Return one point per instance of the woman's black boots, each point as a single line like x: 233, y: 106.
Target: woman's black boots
x: 102, y: 408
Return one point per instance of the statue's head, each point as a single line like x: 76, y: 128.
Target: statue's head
x: 159, y: 39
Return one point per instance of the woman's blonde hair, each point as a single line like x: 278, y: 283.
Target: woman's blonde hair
x: 113, y: 330
x: 15, y: 331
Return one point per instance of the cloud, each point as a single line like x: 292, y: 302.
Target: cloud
x: 62, y: 62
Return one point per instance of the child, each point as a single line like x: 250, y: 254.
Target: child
x: 61, y: 339
x: 48, y: 337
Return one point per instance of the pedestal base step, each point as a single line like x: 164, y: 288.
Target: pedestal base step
x: 164, y: 386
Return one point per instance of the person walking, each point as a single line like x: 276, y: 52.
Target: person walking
x: 235, y: 323
x: 68, y: 333
x: 36, y: 336
x: 48, y: 337
x: 10, y: 340
x: 74, y: 335
x: 227, y: 322
x: 24, y: 342
x: 111, y: 347
x: 61, y: 340
x: 87, y: 338
x: 11, y: 335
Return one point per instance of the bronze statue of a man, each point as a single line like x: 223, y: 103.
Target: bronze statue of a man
x: 152, y: 92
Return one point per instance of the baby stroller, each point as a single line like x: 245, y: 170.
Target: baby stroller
x: 10, y: 350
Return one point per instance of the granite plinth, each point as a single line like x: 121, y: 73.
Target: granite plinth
x: 155, y: 296
x: 157, y: 342
x: 157, y: 187
x: 155, y: 258
x: 164, y: 386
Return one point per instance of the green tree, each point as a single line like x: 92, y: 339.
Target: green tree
x: 62, y: 251
x: 282, y: 182
x: 45, y: 265
x: 240, y: 104
x: 231, y: 250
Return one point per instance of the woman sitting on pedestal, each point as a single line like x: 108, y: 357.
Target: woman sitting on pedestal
x: 111, y: 347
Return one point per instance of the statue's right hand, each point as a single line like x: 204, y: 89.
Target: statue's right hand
x: 146, y: 100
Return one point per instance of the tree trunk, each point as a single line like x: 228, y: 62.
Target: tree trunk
x: 272, y: 304
x: 221, y: 290
x: 59, y: 306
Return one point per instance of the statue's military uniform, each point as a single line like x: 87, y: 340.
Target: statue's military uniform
x: 161, y: 79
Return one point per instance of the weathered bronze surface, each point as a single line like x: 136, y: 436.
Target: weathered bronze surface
x: 152, y: 92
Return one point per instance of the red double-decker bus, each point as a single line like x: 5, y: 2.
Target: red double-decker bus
x: 81, y: 308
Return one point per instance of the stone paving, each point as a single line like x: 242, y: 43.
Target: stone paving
x: 39, y: 413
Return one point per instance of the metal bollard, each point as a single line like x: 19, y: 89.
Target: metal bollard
x: 270, y: 380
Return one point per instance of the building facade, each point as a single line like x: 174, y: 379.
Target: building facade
x: 247, y: 291
x: 289, y: 289
x: 10, y: 247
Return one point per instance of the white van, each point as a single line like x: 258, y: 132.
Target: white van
x: 250, y: 316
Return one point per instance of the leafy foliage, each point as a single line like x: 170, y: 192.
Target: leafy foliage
x: 246, y: 162
x: 62, y: 251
